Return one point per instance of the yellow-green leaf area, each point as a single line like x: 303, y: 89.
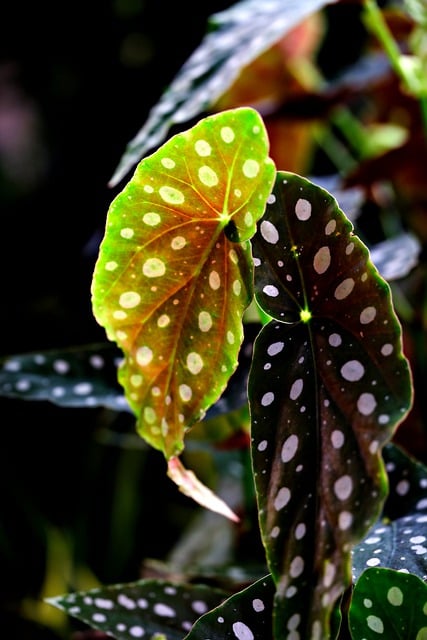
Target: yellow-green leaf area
x: 174, y: 271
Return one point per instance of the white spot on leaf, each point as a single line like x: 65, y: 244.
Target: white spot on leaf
x: 322, y: 260
x: 366, y: 404
x: 129, y: 300
x: 289, y: 448
x: 344, y: 289
x: 353, y: 370
x: 269, y: 232
x: 303, y: 209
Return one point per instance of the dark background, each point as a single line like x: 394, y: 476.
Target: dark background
x: 77, y: 81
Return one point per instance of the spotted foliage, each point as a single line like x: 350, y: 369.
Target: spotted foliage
x: 174, y: 272
x: 388, y: 604
x: 78, y: 377
x: 399, y: 539
x: 241, y: 611
x: 328, y: 384
x: 142, y: 609
x: 86, y: 376
x: 235, y: 37
x: 245, y: 615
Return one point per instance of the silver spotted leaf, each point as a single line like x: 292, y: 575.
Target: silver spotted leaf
x: 235, y: 38
x: 143, y: 609
x: 388, y: 604
x: 84, y: 376
x: 328, y: 385
x: 396, y: 257
x: 399, y: 539
x: 245, y: 615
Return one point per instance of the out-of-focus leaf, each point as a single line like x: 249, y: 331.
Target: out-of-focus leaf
x: 327, y: 387
x: 143, y: 609
x: 349, y: 200
x: 388, y: 604
x: 399, y: 539
x: 396, y: 257
x: 236, y: 37
x: 84, y: 376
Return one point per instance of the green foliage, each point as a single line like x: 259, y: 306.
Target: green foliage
x: 329, y: 374
x: 206, y: 240
x: 173, y: 277
x: 143, y: 608
x: 236, y: 37
x: 400, y: 530
x: 389, y: 603
x: 328, y: 381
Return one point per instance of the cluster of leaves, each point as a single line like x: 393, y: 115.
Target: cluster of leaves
x: 386, y: 599
x: 206, y: 239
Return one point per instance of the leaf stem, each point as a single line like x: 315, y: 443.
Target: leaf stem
x: 407, y: 67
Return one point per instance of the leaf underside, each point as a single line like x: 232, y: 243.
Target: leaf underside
x: 174, y: 272
x: 84, y: 376
x: 327, y: 387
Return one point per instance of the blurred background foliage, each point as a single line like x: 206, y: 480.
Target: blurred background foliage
x: 77, y: 81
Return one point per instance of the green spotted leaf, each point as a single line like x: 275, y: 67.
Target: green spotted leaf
x: 174, y: 272
x: 327, y: 387
x: 388, y: 604
x: 399, y: 539
x: 84, y: 376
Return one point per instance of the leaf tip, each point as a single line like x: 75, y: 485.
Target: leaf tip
x: 192, y: 487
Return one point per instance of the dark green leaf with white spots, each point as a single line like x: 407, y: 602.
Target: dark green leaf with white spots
x: 86, y: 376
x: 388, y: 604
x: 174, y: 272
x: 394, y: 257
x: 236, y: 37
x: 78, y: 377
x: 408, y: 483
x: 142, y: 609
x: 243, y: 616
x: 328, y: 385
x: 399, y: 539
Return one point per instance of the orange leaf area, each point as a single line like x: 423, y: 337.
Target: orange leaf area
x: 190, y: 486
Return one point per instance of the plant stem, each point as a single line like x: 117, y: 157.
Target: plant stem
x: 375, y: 22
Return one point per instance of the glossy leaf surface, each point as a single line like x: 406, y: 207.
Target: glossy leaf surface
x: 328, y: 385
x: 399, y: 539
x: 245, y: 615
x: 84, y: 376
x: 174, y: 272
x: 142, y: 609
x: 388, y: 604
x: 236, y: 37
